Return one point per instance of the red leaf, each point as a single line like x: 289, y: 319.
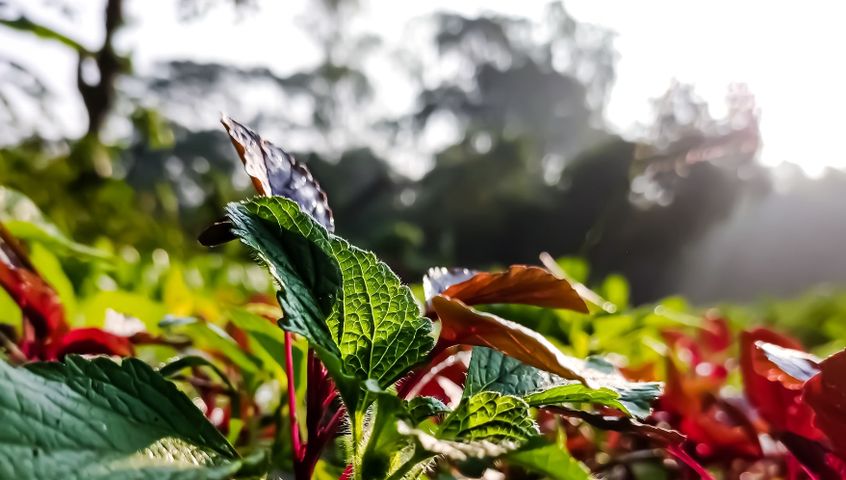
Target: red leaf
x: 715, y: 334
x: 779, y: 405
x: 91, y: 341
x: 519, y: 284
x: 44, y: 317
x: 816, y: 459
x: 825, y: 393
x: 714, y: 426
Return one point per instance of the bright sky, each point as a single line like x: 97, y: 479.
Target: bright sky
x: 788, y: 52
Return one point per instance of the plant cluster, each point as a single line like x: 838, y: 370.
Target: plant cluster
x: 524, y: 371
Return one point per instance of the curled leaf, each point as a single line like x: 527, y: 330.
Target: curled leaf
x: 44, y: 317
x: 521, y: 284
x: 792, y: 368
x: 462, y: 325
x: 772, y: 392
x: 91, y: 341
x: 273, y: 171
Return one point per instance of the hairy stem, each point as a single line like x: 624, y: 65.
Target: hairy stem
x: 406, y: 467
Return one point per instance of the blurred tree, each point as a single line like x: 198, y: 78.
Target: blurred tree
x: 524, y: 161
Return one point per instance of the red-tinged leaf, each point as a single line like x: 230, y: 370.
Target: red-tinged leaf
x: 781, y: 407
x: 519, y: 284
x: 273, y: 171
x: 825, y: 394
x: 791, y: 368
x: 462, y: 325
x: 44, y: 317
x: 91, y: 341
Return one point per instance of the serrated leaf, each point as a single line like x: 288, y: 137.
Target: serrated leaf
x: 456, y: 451
x: 276, y: 172
x: 421, y: 408
x: 102, y: 420
x: 340, y: 297
x: 550, y: 459
x: 273, y: 171
x: 489, y: 416
x: 492, y: 371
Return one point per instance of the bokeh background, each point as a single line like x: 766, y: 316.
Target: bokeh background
x: 692, y: 148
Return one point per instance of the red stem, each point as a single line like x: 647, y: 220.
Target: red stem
x: 347, y: 473
x: 678, y: 452
x: 292, y: 400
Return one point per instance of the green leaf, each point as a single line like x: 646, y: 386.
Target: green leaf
x: 215, y: 338
x: 550, y: 459
x: 637, y: 397
x: 615, y: 289
x: 492, y: 371
x: 489, y: 416
x: 421, y: 408
x: 101, y: 420
x: 51, y: 271
x: 172, y: 368
x: 341, y: 298
x: 24, y: 220
x: 576, y: 393
x: 266, y: 339
x: 456, y: 450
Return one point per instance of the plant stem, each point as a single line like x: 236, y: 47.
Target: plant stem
x: 406, y: 467
x: 292, y: 400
